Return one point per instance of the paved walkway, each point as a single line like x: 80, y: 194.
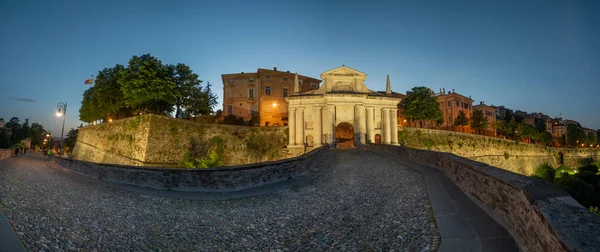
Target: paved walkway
x: 464, y: 226
x: 369, y: 200
x: 363, y: 203
x: 9, y: 241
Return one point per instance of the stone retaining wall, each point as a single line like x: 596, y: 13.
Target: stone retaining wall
x: 541, y: 216
x: 218, y: 179
x: 159, y: 141
x: 521, y: 158
x: 6, y: 153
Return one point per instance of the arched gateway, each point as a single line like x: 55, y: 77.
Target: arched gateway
x: 343, y: 101
x: 344, y: 135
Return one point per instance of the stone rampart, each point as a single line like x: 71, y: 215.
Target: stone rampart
x: 506, y: 154
x: 6, y: 153
x: 151, y: 140
x: 219, y: 179
x: 541, y: 216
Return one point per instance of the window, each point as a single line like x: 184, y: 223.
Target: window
x: 267, y: 90
x: 229, y: 110
x: 449, y: 103
x: 230, y: 81
x: 285, y: 92
x: 285, y: 79
x: 313, y: 85
x: 251, y: 80
x: 457, y: 103
x: 268, y: 76
x: 251, y: 92
x: 230, y: 92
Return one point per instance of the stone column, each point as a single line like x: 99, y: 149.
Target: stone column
x: 385, y: 124
x: 371, y: 124
x: 361, y: 124
x: 318, y: 126
x: 394, y: 119
x: 292, y: 126
x: 330, y: 123
x: 300, y: 126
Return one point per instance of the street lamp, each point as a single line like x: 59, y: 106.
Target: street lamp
x: 59, y: 113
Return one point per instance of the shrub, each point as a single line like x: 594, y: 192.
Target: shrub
x: 586, y: 161
x: 506, y: 156
x: 429, y: 143
x: 401, y: 136
x: 207, y: 154
x: 545, y: 172
x: 578, y: 189
x: 595, y: 210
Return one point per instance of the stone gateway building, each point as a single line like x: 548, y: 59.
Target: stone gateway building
x: 342, y: 109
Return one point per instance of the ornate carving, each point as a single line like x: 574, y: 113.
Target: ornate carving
x: 342, y: 87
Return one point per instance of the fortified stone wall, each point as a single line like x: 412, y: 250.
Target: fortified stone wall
x: 120, y: 142
x: 507, y: 154
x: 541, y: 216
x: 152, y: 140
x: 6, y: 153
x: 219, y: 179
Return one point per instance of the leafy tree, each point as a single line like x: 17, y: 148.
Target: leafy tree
x: 545, y: 171
x: 16, y: 134
x: 545, y: 138
x: 147, y: 86
x: 461, y: 120
x: 90, y: 107
x: 575, y: 135
x: 591, y: 139
x: 525, y: 130
x: 478, y: 120
x: 26, y: 129
x: 540, y: 125
x: 420, y: 105
x: 190, y: 94
x: 4, y: 138
x: 71, y: 139
x: 562, y: 140
x: 37, y: 134
x: 108, y: 94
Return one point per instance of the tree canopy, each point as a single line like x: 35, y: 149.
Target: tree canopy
x: 478, y: 120
x: 420, y: 105
x: 14, y: 131
x: 146, y: 85
x: 461, y: 119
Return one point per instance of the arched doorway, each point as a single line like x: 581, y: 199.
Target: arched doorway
x: 344, y: 135
x: 377, y: 139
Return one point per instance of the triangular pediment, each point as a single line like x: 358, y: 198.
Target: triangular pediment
x: 344, y: 70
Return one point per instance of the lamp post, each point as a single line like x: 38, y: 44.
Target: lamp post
x: 62, y: 106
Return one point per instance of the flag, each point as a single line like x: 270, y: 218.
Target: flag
x: 89, y: 81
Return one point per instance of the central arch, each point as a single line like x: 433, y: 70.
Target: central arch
x: 344, y: 135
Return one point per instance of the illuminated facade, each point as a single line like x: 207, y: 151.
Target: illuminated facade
x: 262, y: 94
x: 344, y: 110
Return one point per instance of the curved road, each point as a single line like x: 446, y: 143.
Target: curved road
x: 365, y: 202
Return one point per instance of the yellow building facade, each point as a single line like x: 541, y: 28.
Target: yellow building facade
x: 262, y: 95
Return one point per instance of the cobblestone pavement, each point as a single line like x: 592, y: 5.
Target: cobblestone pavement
x: 363, y: 203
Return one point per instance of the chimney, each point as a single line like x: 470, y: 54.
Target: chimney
x: 453, y: 90
x: 443, y: 90
x: 274, y: 68
x: 481, y: 103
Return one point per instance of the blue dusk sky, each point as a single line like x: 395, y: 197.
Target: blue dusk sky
x: 535, y: 56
